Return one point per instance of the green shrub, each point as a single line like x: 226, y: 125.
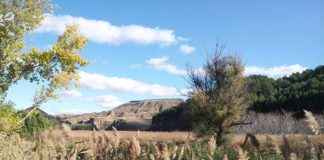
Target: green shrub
x: 35, y: 123
x: 9, y: 119
x: 175, y: 118
x: 124, y: 125
x: 13, y: 121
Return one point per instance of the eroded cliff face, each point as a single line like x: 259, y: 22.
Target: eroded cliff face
x: 137, y: 114
x: 145, y: 109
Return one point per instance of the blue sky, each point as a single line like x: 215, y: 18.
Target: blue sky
x: 140, y: 50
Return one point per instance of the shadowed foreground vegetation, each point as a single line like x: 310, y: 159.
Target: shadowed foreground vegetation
x: 61, y: 145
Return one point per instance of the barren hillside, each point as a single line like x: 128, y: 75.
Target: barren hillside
x: 137, y: 113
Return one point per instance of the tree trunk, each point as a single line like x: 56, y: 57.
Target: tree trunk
x: 219, y: 136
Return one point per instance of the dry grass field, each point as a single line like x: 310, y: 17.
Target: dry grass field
x: 185, y: 136
x: 140, y: 135
x: 128, y: 145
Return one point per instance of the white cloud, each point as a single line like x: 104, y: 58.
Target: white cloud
x: 185, y: 92
x: 104, y: 32
x: 108, y: 101
x: 187, y: 49
x: 100, y: 82
x: 275, y: 72
x: 162, y: 64
x: 70, y: 94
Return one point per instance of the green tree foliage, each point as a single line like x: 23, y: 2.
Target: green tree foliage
x: 295, y: 93
x: 54, y: 67
x: 219, y: 96
x: 51, y: 69
x: 262, y: 88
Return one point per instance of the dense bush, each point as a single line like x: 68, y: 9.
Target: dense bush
x: 9, y: 119
x: 13, y: 121
x: 175, y: 118
x: 36, y: 123
x: 89, y: 127
x: 124, y: 125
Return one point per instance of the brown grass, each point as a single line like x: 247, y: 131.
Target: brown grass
x: 185, y: 136
x: 316, y: 139
x: 101, y: 145
x: 141, y: 136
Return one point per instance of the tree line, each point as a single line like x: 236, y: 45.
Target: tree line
x: 294, y: 93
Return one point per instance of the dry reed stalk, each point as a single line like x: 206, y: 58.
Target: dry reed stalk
x: 151, y: 157
x: 225, y: 157
x: 272, y: 145
x: 115, y: 131
x: 311, y: 148
x: 321, y: 155
x: 164, y: 150
x: 211, y: 147
x: 174, y: 152
x: 116, y: 139
x: 73, y: 155
x: 157, y: 152
x: 292, y: 156
x: 181, y: 153
x: 312, y: 123
x: 286, y: 150
x: 138, y: 133
x: 241, y: 154
x: 134, y: 148
x: 313, y: 153
x: 101, y: 146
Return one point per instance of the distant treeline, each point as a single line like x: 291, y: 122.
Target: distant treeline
x: 294, y: 93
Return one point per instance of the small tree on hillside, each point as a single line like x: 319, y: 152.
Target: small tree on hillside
x: 218, y: 97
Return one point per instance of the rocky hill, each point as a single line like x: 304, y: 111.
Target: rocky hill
x: 144, y: 109
x: 137, y: 114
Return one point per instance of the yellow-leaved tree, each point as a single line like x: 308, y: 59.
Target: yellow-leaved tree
x: 52, y: 69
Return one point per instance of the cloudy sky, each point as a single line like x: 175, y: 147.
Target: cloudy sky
x: 140, y: 50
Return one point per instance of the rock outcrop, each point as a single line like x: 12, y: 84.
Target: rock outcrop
x: 144, y: 109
